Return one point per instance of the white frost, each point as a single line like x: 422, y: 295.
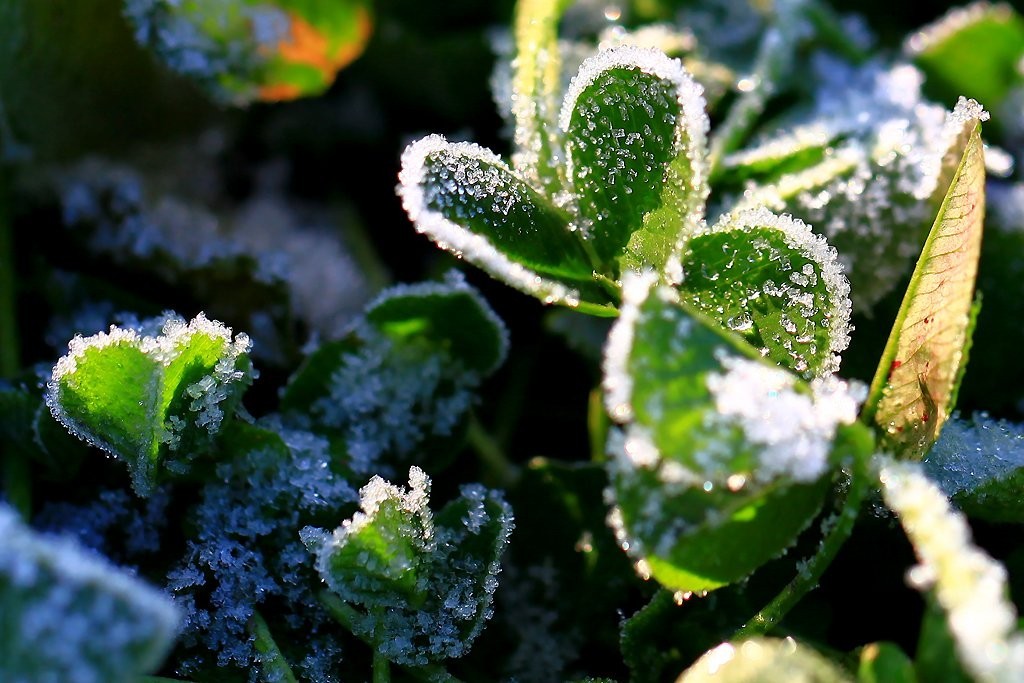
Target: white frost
x: 969, y: 585
x: 617, y: 382
x: 793, y: 430
x: 454, y: 238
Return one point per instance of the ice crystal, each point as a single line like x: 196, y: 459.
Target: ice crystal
x: 69, y: 615
x: 793, y: 430
x: 881, y: 168
x: 969, y: 585
x: 969, y: 454
x: 247, y: 549
x: 426, y: 581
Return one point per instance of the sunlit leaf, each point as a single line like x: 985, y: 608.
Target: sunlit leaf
x: 468, y: 201
x: 635, y: 129
x: 151, y: 399
x: 911, y: 391
x: 721, y: 458
x: 776, y: 283
x: 763, y: 660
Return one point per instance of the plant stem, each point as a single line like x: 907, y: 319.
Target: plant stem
x: 347, y: 616
x: 501, y: 472
x: 381, y: 668
x: 275, y: 666
x: 809, y: 575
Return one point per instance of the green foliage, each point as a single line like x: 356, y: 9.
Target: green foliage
x: 423, y: 582
x: 66, y: 614
x: 724, y: 206
x: 151, y: 396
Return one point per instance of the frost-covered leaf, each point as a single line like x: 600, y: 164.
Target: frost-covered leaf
x: 784, y: 154
x: 882, y: 165
x: 776, y: 283
x: 245, y: 51
x: 66, y: 614
x: 397, y: 388
x: 885, y: 663
x: 533, y: 96
x: 635, y: 129
x: 451, y: 316
x: 763, y: 660
x: 28, y: 430
x: 968, y: 585
x: 151, y: 396
x: 721, y: 459
x: 245, y: 550
x: 423, y: 584
x: 917, y: 375
x: 973, y: 51
x: 469, y: 202
x: 980, y: 465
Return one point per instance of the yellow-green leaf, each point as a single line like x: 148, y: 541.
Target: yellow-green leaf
x: 911, y: 395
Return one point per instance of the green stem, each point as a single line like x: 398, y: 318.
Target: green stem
x: 381, y: 668
x: 275, y: 666
x: 501, y: 472
x: 347, y: 616
x: 809, y: 575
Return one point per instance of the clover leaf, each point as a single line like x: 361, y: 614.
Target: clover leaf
x: 151, y: 396
x: 422, y: 584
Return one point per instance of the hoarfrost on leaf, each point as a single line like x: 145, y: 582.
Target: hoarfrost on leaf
x: 969, y: 585
x: 423, y: 583
x: 69, y: 615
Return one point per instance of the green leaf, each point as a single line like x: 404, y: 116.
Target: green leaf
x: 422, y: 584
x: 721, y: 459
x: 635, y: 129
x: 151, y: 400
x: 919, y: 369
x: 452, y: 317
x: 535, y: 81
x: 241, y: 52
x: 469, y: 202
x: 784, y: 154
x: 67, y: 614
x: 776, y: 283
x: 936, y: 658
x: 885, y: 663
x: 974, y: 51
x: 397, y: 388
x: 980, y: 465
x: 763, y: 660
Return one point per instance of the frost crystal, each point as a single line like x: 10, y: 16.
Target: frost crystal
x: 970, y: 585
x: 69, y: 615
x: 972, y: 453
x: 247, y: 549
x: 426, y: 582
x: 882, y: 150
x: 792, y: 430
